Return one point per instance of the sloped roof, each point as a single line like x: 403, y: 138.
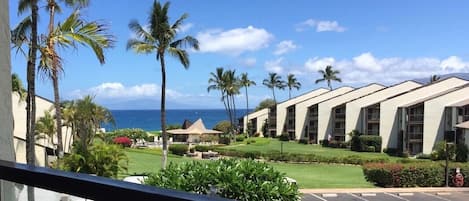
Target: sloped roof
x: 197, y: 127
x: 463, y: 125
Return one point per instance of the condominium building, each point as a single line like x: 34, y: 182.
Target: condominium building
x: 257, y: 120
x: 331, y: 113
x: 306, y: 114
x: 401, y: 117
x: 362, y: 114
x: 285, y: 112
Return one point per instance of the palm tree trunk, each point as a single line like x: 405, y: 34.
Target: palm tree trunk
x: 163, y: 112
x: 273, y: 94
x: 31, y: 99
x: 235, y: 123
x: 58, y: 112
x: 329, y: 84
x: 247, y: 113
x: 289, y: 93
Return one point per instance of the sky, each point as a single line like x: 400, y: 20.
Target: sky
x: 366, y: 40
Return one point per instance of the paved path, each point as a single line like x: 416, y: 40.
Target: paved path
x: 387, y: 194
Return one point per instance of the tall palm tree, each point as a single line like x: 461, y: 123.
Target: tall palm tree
x: 434, y: 78
x: 160, y: 38
x: 274, y: 81
x: 246, y: 82
x: 68, y: 113
x: 329, y: 75
x: 216, y: 82
x: 231, y: 89
x: 72, y: 31
x: 292, y: 82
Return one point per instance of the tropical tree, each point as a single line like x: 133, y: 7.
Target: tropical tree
x: 17, y: 87
x: 72, y: 31
x: 434, y: 78
x: 159, y: 37
x: 292, y: 82
x: 329, y: 75
x: 267, y: 103
x: 274, y: 81
x: 45, y: 127
x: 68, y: 113
x: 228, y: 84
x: 246, y: 82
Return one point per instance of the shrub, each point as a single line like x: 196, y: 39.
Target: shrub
x: 102, y: 159
x: 178, y: 149
x: 252, y: 154
x: 249, y: 141
x: 123, y: 141
x: 439, y: 151
x: 132, y: 133
x: 424, y: 156
x: 366, y: 141
x: 284, y: 137
x: 303, y: 141
x: 202, y: 148
x: 404, y: 175
x: 240, y: 138
x: 240, y: 180
x: 324, y: 143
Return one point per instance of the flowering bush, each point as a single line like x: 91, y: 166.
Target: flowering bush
x: 124, y: 141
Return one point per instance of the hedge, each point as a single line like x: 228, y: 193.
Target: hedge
x: 178, y: 149
x: 366, y: 143
x: 428, y: 174
x: 293, y: 157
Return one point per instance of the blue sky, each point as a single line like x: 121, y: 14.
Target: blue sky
x: 368, y: 41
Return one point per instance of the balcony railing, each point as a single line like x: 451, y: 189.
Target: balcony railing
x: 339, y: 131
x: 373, y: 117
x: 89, y: 187
x: 415, y: 136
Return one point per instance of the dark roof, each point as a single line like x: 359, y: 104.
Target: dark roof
x: 186, y: 124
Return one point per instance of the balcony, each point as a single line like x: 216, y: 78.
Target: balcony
x: 87, y: 186
x: 338, y: 131
x: 373, y: 117
x: 416, y: 118
x: 415, y: 136
x: 340, y: 115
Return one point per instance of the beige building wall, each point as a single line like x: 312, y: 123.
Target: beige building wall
x: 388, y: 126
x: 19, y: 114
x: 325, y: 123
x: 20, y: 150
x: 282, y: 107
x: 353, y: 117
x: 260, y: 117
x: 434, y: 120
x: 302, y: 108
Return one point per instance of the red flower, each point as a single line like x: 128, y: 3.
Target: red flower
x: 124, y: 141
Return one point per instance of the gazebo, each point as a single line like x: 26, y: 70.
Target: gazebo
x: 195, y: 133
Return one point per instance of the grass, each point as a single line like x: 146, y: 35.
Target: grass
x: 265, y: 145
x: 307, y: 175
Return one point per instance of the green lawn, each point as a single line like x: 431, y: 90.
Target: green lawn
x: 265, y: 145
x: 307, y: 175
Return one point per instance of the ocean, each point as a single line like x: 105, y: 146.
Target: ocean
x: 149, y: 120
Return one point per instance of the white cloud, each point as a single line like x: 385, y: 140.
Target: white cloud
x: 284, y: 47
x: 315, y: 64
x: 248, y: 62
x: 454, y: 62
x: 185, y: 27
x: 320, y: 25
x: 366, y: 61
x: 234, y: 41
x: 274, y: 66
x: 366, y: 68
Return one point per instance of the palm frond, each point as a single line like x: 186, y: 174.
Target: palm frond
x: 181, y: 55
x: 185, y: 42
x: 140, y: 32
x: 140, y: 46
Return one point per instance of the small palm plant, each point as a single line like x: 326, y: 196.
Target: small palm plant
x: 292, y: 82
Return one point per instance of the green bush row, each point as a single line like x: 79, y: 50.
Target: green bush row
x: 178, y: 149
x: 366, y: 143
x: 293, y: 157
x: 233, y: 179
x: 428, y: 174
x: 205, y: 148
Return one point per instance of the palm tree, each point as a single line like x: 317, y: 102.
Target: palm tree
x: 160, y: 38
x: 68, y: 113
x: 17, y: 87
x: 329, y: 75
x: 292, y: 82
x: 246, y: 82
x: 45, y: 127
x: 274, y: 81
x: 232, y: 86
x: 434, y: 78
x: 73, y: 30
x: 216, y: 82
